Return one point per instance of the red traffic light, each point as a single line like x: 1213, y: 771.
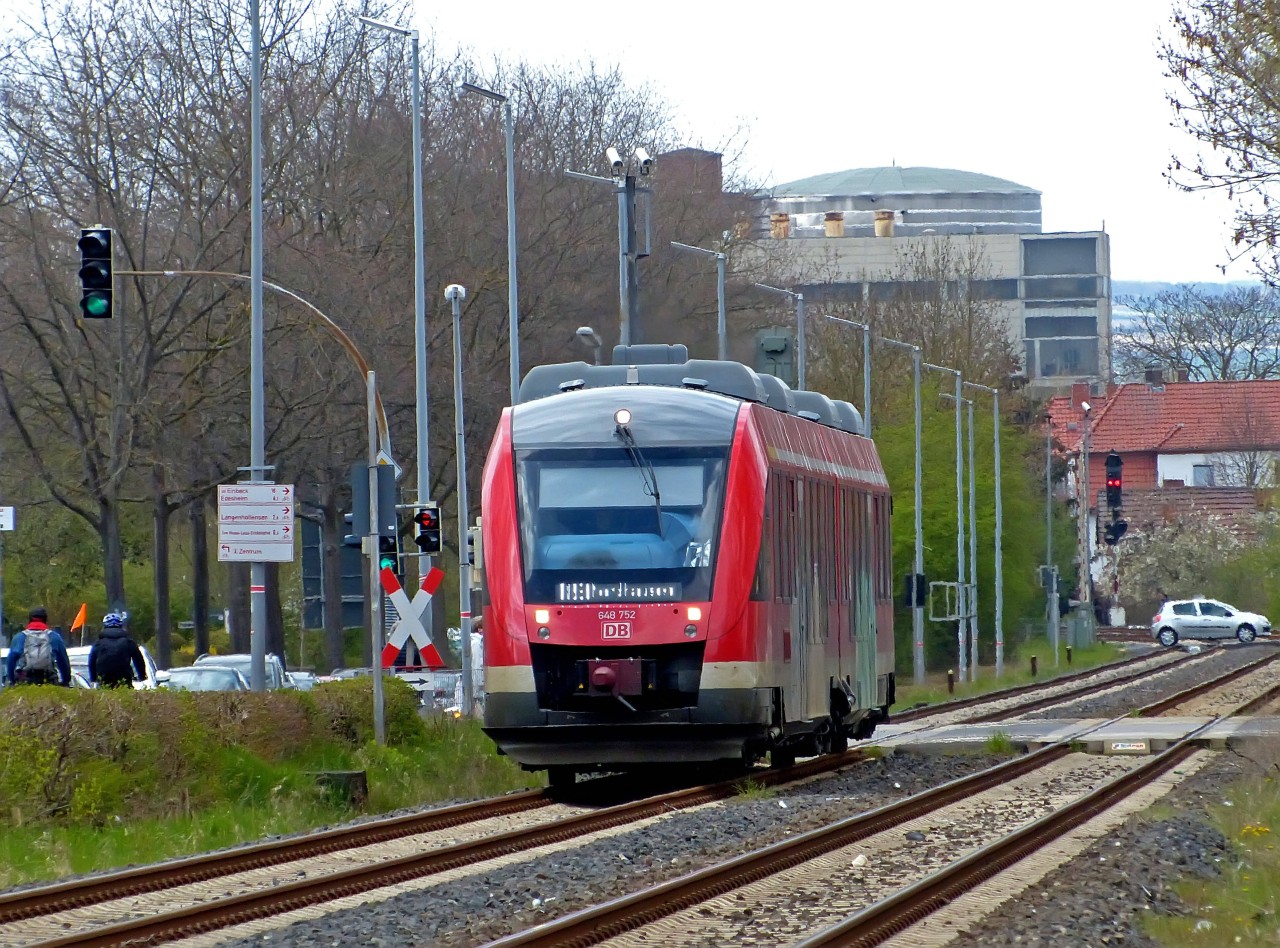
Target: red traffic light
x: 428, y: 518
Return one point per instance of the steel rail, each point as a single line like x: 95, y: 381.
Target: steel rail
x: 595, y: 924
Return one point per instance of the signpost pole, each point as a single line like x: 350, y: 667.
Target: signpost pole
x: 375, y: 579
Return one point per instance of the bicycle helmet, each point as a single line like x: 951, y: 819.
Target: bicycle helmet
x: 113, y: 620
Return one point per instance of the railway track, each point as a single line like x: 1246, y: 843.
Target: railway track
x: 201, y: 894
x: 699, y: 905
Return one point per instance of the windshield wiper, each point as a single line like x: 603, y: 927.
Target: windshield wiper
x: 648, y: 476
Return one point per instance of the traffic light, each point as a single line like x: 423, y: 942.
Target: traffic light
x: 1115, y: 480
x: 389, y: 553
x: 95, y: 272
x: 427, y: 518
x: 351, y: 538
x: 1115, y: 530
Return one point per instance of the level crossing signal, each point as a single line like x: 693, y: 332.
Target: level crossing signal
x: 96, y: 276
x: 427, y: 517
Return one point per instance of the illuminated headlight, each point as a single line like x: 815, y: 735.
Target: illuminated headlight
x: 622, y: 416
x: 690, y: 631
x: 542, y: 616
x: 695, y: 613
x: 544, y: 632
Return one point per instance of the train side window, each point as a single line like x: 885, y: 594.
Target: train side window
x: 761, y: 585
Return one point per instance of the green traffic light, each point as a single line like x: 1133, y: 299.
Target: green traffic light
x: 96, y: 304
x: 387, y: 562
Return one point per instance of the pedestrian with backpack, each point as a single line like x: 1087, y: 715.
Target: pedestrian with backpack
x: 38, y: 656
x: 115, y: 658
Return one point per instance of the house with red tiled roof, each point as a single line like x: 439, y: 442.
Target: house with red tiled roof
x: 1175, y: 434
x: 1188, y: 449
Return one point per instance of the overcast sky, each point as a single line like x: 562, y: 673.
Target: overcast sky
x: 1066, y: 98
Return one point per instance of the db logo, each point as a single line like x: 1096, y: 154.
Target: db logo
x: 615, y: 630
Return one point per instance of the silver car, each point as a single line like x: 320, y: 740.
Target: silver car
x: 205, y: 678
x: 1205, y: 619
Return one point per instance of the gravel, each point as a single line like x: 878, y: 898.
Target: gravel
x: 1099, y: 898
x: 490, y: 904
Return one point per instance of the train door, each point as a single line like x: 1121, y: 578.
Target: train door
x: 870, y: 515
x: 796, y: 698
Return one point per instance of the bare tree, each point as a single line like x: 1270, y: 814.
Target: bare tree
x: 1207, y: 336
x: 1223, y: 53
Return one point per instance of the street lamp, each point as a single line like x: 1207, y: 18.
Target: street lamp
x: 995, y: 447
x: 917, y: 608
x: 513, y: 307
x: 455, y: 293
x: 422, y: 415
x: 972, y: 592
x: 589, y: 337
x: 866, y: 368
x: 624, y: 185
x: 800, y: 337
x: 1085, y: 505
x: 722, y: 343
x: 960, y: 596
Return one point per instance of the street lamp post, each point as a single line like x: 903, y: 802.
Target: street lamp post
x: 421, y: 413
x: 513, y: 300
x: 1086, y: 504
x: 866, y: 368
x: 917, y: 608
x: 961, y: 603
x: 589, y: 337
x: 722, y: 342
x: 801, y: 344
x: 999, y: 563
x: 455, y: 294
x: 971, y: 597
x: 625, y: 186
x: 1051, y: 571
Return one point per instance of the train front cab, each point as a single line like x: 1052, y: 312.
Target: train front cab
x: 601, y: 593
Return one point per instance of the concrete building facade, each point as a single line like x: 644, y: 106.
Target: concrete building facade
x: 856, y: 228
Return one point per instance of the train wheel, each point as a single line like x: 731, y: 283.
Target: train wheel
x: 782, y: 757
x: 561, y: 776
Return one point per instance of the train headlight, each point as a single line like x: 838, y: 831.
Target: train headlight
x: 542, y: 616
x: 622, y: 416
x: 690, y: 631
x: 695, y: 613
x: 544, y: 632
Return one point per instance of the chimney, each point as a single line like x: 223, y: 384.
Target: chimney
x: 884, y: 223
x: 1079, y: 393
x: 779, y: 226
x: 834, y: 222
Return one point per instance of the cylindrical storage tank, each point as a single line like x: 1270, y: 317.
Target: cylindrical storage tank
x: 780, y: 225
x: 834, y: 222
x: 884, y: 223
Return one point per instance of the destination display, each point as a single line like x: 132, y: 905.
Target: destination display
x: 619, y: 592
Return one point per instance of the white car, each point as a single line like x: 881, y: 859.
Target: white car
x: 1205, y: 619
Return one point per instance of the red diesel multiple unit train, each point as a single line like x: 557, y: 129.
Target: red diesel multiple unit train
x: 685, y: 561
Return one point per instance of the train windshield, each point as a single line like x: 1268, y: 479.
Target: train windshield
x: 594, y: 529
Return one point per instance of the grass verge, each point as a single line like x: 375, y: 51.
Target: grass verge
x: 96, y: 780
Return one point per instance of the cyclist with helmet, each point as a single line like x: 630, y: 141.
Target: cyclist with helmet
x: 115, y: 661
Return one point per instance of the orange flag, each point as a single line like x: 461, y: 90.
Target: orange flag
x: 81, y: 616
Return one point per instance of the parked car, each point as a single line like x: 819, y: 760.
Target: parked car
x: 206, y: 677
x: 243, y: 663
x: 1205, y: 619
x: 302, y: 680
x: 79, y: 655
